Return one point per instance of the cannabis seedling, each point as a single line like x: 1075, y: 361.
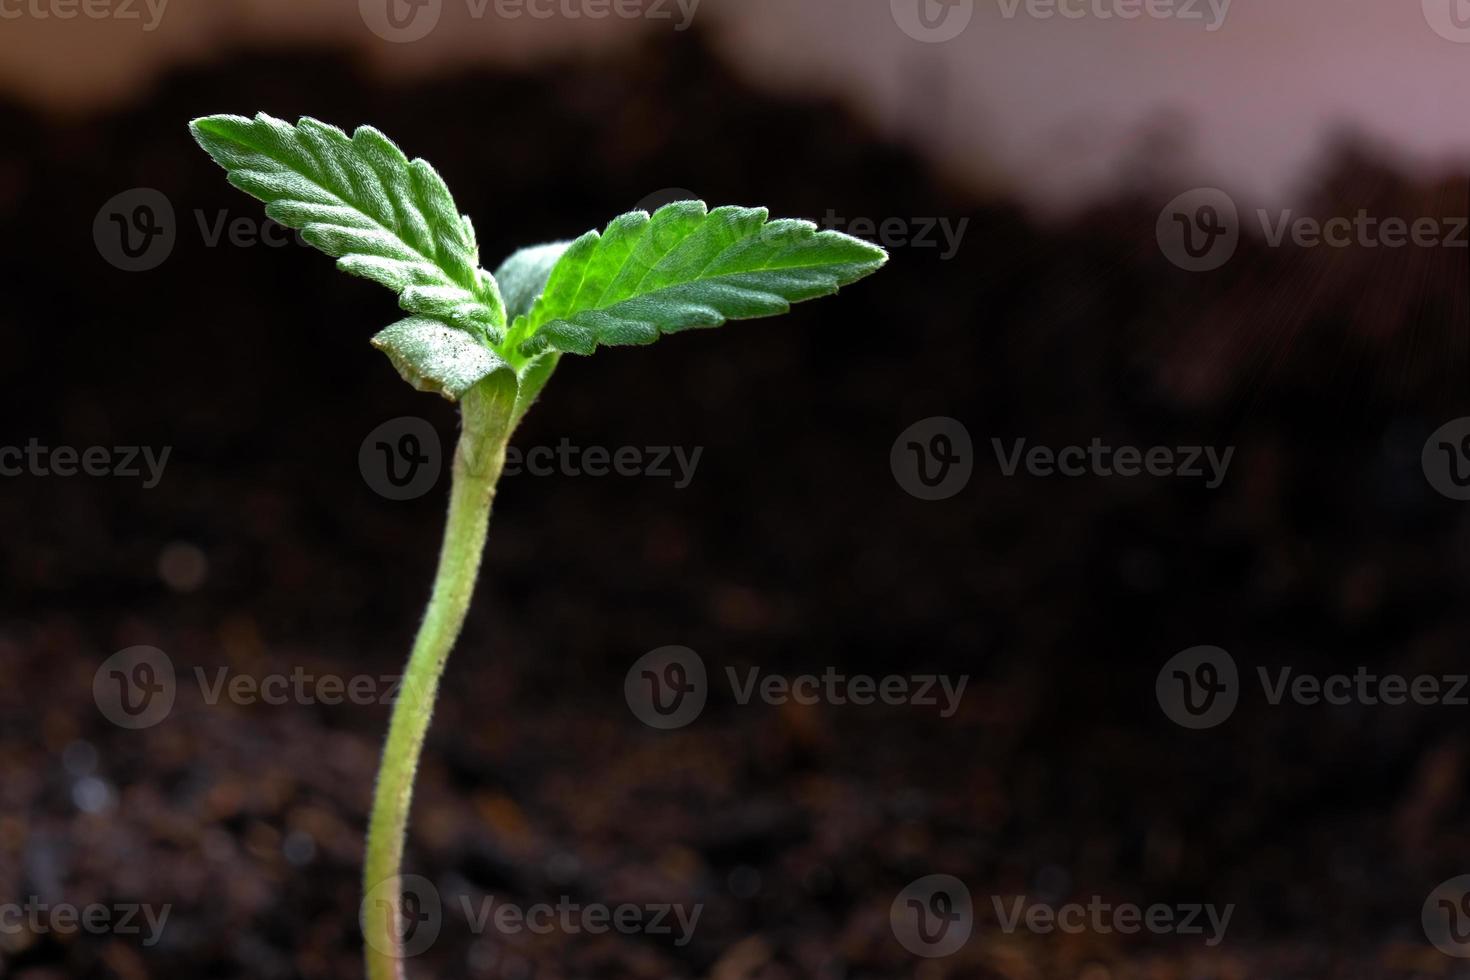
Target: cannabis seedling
x: 491, y: 342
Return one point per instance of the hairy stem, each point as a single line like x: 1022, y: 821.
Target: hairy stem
x: 389, y: 920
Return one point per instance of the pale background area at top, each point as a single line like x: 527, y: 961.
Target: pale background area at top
x: 1056, y: 111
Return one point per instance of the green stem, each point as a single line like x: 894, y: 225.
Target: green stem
x: 488, y: 418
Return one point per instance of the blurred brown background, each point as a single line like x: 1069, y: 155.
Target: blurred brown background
x: 1051, y: 148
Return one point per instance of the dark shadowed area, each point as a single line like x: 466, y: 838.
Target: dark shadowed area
x: 792, y: 548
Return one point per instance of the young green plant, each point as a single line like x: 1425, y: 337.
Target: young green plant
x: 491, y: 342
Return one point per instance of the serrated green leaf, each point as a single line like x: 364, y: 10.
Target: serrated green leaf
x: 522, y: 279
x: 523, y: 276
x: 434, y: 356
x: 360, y: 200
x: 686, y: 267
